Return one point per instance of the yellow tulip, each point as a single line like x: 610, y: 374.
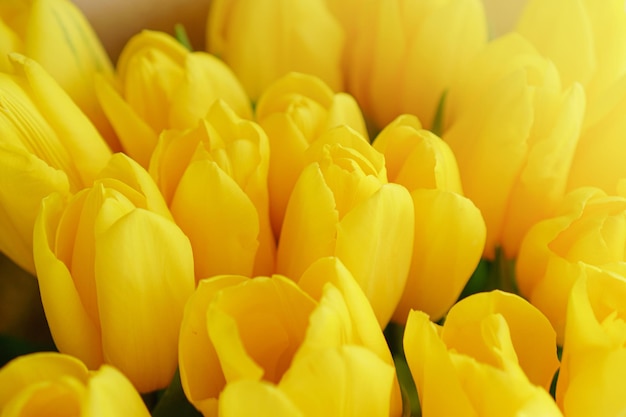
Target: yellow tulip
x: 264, y: 346
x: 294, y: 111
x: 262, y: 40
x: 589, y: 229
x: 161, y: 85
x: 594, y: 352
x: 57, y: 35
x: 43, y: 384
x: 449, y: 229
x: 586, y: 40
x: 47, y: 144
x: 214, y: 179
x: 514, y: 150
x: 399, y: 60
x: 494, y: 356
x: 342, y: 206
x: 114, y: 274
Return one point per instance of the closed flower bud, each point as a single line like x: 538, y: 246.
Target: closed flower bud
x: 514, y: 150
x: 57, y: 35
x: 114, y: 273
x: 343, y: 206
x: 214, y: 179
x: 598, y: 63
x: 594, y: 352
x: 589, y: 230
x: 263, y: 345
x: 264, y: 40
x: 43, y: 384
x: 47, y: 145
x: 399, y: 60
x: 161, y: 85
x: 295, y: 111
x: 494, y: 356
x: 449, y: 229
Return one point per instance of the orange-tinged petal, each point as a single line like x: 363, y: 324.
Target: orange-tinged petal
x: 262, y: 399
x: 152, y: 292
x: 379, y: 230
x: 352, y: 381
x: 61, y: 300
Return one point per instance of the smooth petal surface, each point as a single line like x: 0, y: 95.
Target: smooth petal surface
x: 61, y: 300
x: 379, y: 230
x: 449, y: 241
x: 109, y: 392
x: 352, y: 380
x: 261, y: 399
x: 152, y: 292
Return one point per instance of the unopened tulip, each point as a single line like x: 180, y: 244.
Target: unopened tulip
x: 214, y: 179
x: 494, y: 356
x: 598, y: 63
x: 449, y: 229
x: 294, y: 111
x: 343, y: 206
x: 44, y: 384
x: 47, y: 145
x: 589, y: 229
x: 262, y: 40
x: 594, y: 353
x: 398, y: 59
x: 264, y: 345
x: 57, y: 35
x: 161, y: 85
x: 515, y: 149
x: 114, y: 273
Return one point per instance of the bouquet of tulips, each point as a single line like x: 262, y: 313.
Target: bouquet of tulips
x: 338, y: 208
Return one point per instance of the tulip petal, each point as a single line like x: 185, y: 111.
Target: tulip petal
x: 109, y: 384
x: 219, y: 219
x: 197, y: 356
x: 449, y: 241
x: 61, y: 300
x: 375, y: 242
x: 144, y: 268
x: 351, y: 380
x: 256, y: 398
x: 309, y: 228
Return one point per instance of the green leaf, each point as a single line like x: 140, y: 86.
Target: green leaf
x: 181, y: 36
x: 174, y: 402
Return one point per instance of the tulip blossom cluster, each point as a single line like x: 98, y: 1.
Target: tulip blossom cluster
x: 355, y: 208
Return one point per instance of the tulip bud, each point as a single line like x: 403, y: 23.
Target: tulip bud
x: 161, y: 85
x: 589, y: 229
x: 399, y: 60
x: 593, y: 362
x: 52, y: 383
x: 114, y: 274
x: 494, y: 356
x: 294, y: 111
x: 515, y: 149
x: 214, y: 178
x: 598, y: 63
x: 47, y: 145
x: 249, y: 344
x: 264, y: 40
x: 449, y: 229
x: 342, y: 206
x: 57, y: 35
